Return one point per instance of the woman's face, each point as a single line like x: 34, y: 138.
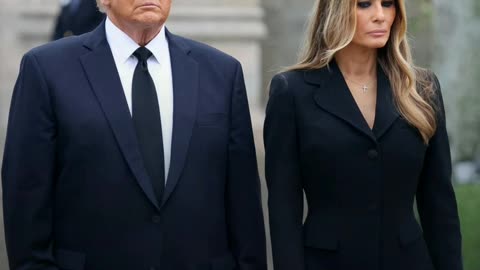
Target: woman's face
x: 374, y: 21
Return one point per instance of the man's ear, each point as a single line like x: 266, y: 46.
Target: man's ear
x: 105, y: 3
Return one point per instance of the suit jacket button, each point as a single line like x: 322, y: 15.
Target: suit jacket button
x: 372, y: 154
x: 156, y: 219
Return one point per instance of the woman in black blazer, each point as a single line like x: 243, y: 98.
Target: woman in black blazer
x: 361, y: 130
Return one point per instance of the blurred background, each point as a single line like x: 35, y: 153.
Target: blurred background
x: 265, y: 36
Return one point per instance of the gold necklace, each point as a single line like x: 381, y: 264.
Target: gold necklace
x: 364, y: 87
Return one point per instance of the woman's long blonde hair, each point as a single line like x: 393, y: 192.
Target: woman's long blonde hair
x: 332, y: 27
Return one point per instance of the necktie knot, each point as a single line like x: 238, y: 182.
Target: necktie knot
x: 142, y: 54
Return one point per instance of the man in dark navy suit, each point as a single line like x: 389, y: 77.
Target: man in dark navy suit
x: 77, y: 17
x: 131, y: 148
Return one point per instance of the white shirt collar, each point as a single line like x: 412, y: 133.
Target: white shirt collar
x: 123, y: 46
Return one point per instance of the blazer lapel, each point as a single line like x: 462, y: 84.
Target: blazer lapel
x: 386, y: 112
x: 185, y: 87
x: 334, y: 97
x: 101, y: 71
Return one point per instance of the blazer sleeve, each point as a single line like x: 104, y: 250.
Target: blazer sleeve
x: 285, y: 192
x: 28, y: 172
x: 436, y: 200
x: 244, y: 208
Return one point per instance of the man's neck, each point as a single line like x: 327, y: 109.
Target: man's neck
x: 141, y: 34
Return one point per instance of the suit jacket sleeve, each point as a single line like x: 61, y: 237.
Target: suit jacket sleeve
x: 245, y: 216
x: 28, y: 172
x: 436, y: 199
x: 285, y: 193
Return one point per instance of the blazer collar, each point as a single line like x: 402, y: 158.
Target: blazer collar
x: 386, y: 111
x: 185, y: 77
x: 334, y: 96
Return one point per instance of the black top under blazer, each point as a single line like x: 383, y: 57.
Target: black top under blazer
x: 360, y: 183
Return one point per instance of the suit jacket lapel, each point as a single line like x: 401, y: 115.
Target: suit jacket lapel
x: 334, y: 97
x: 101, y: 71
x: 185, y: 87
x: 386, y: 112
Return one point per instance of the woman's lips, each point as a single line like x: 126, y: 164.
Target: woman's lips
x: 377, y: 33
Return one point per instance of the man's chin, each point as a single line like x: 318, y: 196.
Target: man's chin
x: 149, y: 20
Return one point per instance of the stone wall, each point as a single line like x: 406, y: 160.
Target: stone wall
x: 23, y: 24
x: 286, y: 22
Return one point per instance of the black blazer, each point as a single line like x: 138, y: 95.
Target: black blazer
x: 76, y: 193
x: 360, y: 184
x: 79, y: 21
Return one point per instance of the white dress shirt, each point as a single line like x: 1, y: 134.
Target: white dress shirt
x: 159, y: 67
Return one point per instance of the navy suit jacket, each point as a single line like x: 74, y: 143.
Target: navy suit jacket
x: 360, y: 183
x: 76, y: 193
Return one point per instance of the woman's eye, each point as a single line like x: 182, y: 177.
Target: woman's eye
x: 387, y: 3
x: 364, y: 4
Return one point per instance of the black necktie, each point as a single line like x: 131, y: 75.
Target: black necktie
x: 147, y: 122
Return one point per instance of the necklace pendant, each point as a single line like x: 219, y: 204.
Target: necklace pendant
x: 365, y: 88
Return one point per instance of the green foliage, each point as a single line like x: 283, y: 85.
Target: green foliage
x: 468, y: 197
x: 420, y: 18
x: 477, y: 8
x: 468, y: 147
x: 420, y: 30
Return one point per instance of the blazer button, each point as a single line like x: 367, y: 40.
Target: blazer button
x: 156, y: 219
x: 372, y: 154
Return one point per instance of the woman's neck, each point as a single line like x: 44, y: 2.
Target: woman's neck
x: 357, y: 62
